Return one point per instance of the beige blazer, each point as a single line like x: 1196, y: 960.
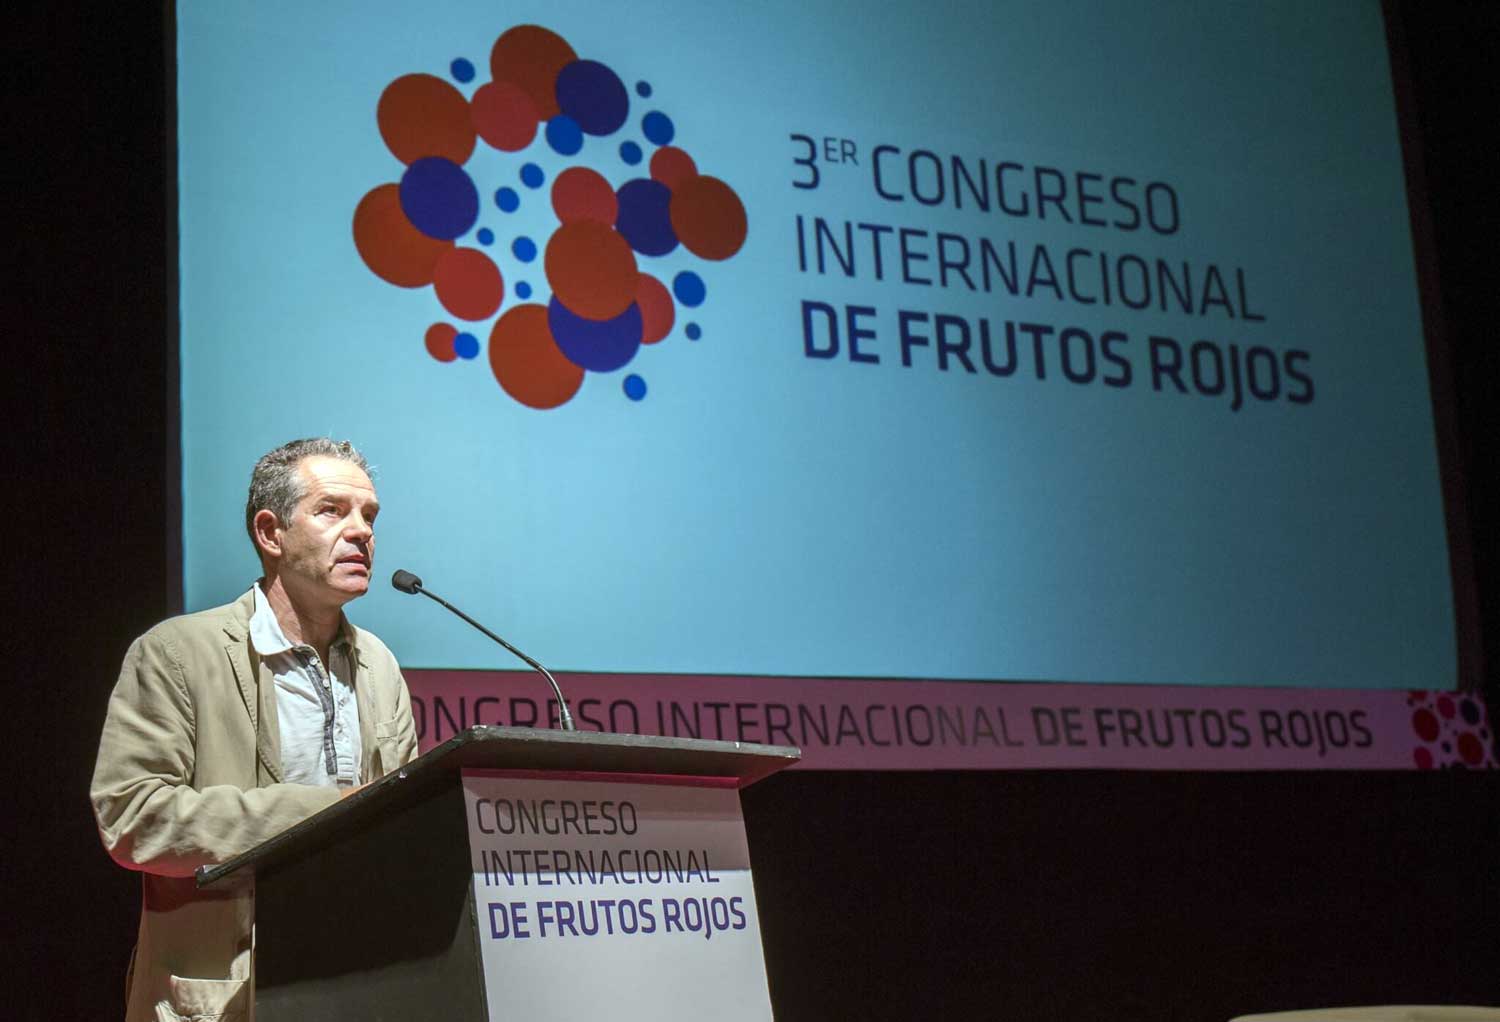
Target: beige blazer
x: 189, y: 773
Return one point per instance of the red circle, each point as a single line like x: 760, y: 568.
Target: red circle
x: 671, y: 166
x: 579, y: 193
x: 468, y: 284
x: 527, y: 362
x: 1422, y: 757
x: 440, y: 341
x: 657, y: 311
x: 504, y: 116
x: 391, y: 247
x: 422, y: 115
x: 530, y: 57
x: 1470, y: 749
x: 708, y: 217
x: 591, y: 270
x: 1425, y: 725
x: 1446, y: 707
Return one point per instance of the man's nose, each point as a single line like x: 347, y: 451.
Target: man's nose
x: 359, y: 529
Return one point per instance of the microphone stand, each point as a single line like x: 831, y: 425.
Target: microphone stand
x: 409, y: 583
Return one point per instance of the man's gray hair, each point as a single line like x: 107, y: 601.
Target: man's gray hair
x: 276, y: 485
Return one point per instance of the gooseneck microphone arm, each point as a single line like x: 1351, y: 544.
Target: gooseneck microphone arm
x: 409, y: 583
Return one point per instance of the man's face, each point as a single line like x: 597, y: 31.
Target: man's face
x: 328, y: 548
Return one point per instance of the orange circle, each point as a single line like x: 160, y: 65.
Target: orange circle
x: 530, y: 56
x: 391, y: 247
x: 583, y: 194
x: 671, y: 166
x: 657, y: 311
x: 467, y: 283
x: 591, y: 270
x: 504, y: 116
x: 526, y: 360
x: 422, y: 115
x: 708, y: 217
x: 439, y: 341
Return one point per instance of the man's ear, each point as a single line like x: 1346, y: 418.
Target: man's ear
x: 267, y: 531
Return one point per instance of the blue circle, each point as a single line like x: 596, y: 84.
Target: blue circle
x: 643, y: 89
x: 635, y: 387
x: 564, y: 135
x: 438, y: 198
x: 630, y: 153
x: 593, y: 95
x: 524, y: 249
x: 693, y: 331
x: 523, y: 290
x: 689, y: 289
x: 466, y: 345
x: 532, y: 176
x: 507, y: 200
x: 657, y: 127
x: 600, y: 345
x: 644, y: 218
x: 462, y: 70
x: 485, y: 236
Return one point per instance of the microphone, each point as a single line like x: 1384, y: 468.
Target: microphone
x: 409, y: 583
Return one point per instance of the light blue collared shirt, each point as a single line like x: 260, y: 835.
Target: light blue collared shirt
x: 315, y: 704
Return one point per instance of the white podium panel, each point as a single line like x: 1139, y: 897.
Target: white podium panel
x: 620, y: 899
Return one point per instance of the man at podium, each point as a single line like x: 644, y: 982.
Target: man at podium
x: 229, y: 725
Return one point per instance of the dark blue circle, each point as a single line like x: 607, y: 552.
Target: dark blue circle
x: 524, y: 249
x: 1469, y: 710
x: 462, y: 70
x: 485, y: 236
x: 657, y: 127
x: 507, y: 200
x: 563, y: 135
x: 438, y: 198
x: 593, y: 95
x: 599, y: 345
x: 466, y: 345
x: 523, y: 290
x: 643, y: 89
x: 630, y: 153
x: 693, y: 331
x: 635, y: 387
x: 532, y: 176
x: 644, y: 218
x: 689, y: 289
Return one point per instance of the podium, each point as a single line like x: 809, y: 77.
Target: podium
x: 508, y: 873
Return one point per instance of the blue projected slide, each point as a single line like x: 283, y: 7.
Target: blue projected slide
x: 1065, y: 341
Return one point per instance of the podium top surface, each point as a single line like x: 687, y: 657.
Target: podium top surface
x: 513, y: 748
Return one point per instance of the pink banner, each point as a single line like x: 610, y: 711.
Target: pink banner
x: 864, y: 724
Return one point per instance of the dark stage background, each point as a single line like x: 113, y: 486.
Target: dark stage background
x: 1020, y: 895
